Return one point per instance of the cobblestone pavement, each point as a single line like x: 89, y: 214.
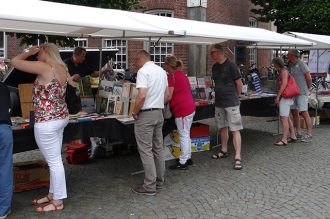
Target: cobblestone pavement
x: 275, y: 182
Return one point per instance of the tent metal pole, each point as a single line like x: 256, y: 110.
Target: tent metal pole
x: 100, y: 54
x: 317, y: 87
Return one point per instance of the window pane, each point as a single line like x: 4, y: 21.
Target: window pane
x: 161, y: 50
x: 121, y: 56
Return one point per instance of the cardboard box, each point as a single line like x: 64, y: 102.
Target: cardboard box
x: 314, y: 122
x: 200, y: 144
x: 26, y: 108
x: 131, y: 108
x: 30, y: 175
x: 25, y: 93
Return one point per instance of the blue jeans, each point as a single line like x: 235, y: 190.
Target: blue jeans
x: 6, y: 168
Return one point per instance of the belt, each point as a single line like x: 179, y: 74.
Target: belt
x: 150, y: 109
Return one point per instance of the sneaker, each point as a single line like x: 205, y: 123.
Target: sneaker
x: 179, y: 166
x: 307, y: 138
x: 159, y: 187
x: 299, y: 136
x: 142, y: 191
x: 5, y: 215
x: 189, y: 161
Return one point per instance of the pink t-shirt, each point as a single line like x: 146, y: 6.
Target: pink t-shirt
x: 182, y: 102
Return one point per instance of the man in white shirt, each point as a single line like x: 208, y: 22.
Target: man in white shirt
x: 152, y: 85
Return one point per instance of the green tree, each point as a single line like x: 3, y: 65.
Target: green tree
x: 307, y: 16
x: 29, y: 39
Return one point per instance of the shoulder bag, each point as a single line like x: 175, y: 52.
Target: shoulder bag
x: 291, y: 89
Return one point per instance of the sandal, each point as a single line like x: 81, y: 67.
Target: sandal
x: 55, y: 207
x: 221, y: 154
x: 238, y: 164
x: 292, y: 140
x: 36, y: 201
x: 280, y: 143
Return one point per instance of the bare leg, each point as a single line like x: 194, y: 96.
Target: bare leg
x: 285, y: 127
x: 237, y: 143
x: 224, y: 139
x: 296, y: 120
x: 308, y: 121
x: 291, y: 129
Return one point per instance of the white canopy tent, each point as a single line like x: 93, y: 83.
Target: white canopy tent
x: 320, y: 41
x: 40, y: 17
x: 199, y: 32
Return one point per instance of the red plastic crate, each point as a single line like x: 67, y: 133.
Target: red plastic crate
x: 199, y: 130
x: 77, y: 153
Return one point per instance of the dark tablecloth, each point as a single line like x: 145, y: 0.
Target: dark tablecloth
x: 116, y: 131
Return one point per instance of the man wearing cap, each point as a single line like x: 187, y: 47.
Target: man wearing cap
x: 300, y: 72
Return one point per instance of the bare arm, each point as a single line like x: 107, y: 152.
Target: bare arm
x: 33, y: 67
x: 308, y: 78
x: 239, y: 86
x: 142, y: 93
x: 168, y: 94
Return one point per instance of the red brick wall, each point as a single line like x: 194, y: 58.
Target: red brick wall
x: 233, y: 12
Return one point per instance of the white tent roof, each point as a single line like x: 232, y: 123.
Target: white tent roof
x: 33, y: 16
x: 322, y: 41
x: 41, y: 17
x: 199, y: 32
x: 319, y: 41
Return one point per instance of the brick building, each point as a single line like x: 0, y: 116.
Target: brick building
x: 195, y: 57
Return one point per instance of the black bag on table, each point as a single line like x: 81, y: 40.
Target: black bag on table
x: 72, y: 100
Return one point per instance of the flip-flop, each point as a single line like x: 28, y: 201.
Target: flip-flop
x: 292, y: 140
x: 56, y: 208
x: 280, y: 143
x: 35, y: 201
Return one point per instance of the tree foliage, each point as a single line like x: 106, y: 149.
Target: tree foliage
x: 29, y: 39
x: 307, y: 16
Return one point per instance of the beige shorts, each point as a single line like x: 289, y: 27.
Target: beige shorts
x: 229, y: 117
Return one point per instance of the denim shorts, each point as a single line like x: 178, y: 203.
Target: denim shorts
x: 285, y: 104
x: 300, y: 103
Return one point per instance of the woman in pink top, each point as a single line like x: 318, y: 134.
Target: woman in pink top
x: 183, y: 108
x: 51, y: 116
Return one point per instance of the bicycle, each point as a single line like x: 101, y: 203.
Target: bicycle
x: 319, y: 82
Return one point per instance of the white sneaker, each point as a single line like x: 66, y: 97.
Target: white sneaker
x: 5, y: 216
x: 307, y: 138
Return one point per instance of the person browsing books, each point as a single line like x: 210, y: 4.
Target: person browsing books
x: 283, y: 103
x: 151, y: 84
x: 6, y: 153
x: 183, y: 108
x: 51, y: 116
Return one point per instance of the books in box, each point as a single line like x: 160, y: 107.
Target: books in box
x: 30, y: 175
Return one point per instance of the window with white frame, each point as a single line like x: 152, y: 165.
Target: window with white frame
x: 81, y: 42
x: 2, y: 44
x: 253, y: 51
x: 121, y: 56
x: 158, y: 51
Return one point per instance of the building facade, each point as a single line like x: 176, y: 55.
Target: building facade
x: 195, y: 58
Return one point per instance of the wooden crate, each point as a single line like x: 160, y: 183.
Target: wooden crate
x: 25, y: 93
x: 26, y: 109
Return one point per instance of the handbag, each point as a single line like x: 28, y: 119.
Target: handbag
x: 72, y: 100
x: 167, y: 111
x: 291, y: 89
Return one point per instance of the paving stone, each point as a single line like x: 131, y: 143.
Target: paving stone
x: 275, y: 182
